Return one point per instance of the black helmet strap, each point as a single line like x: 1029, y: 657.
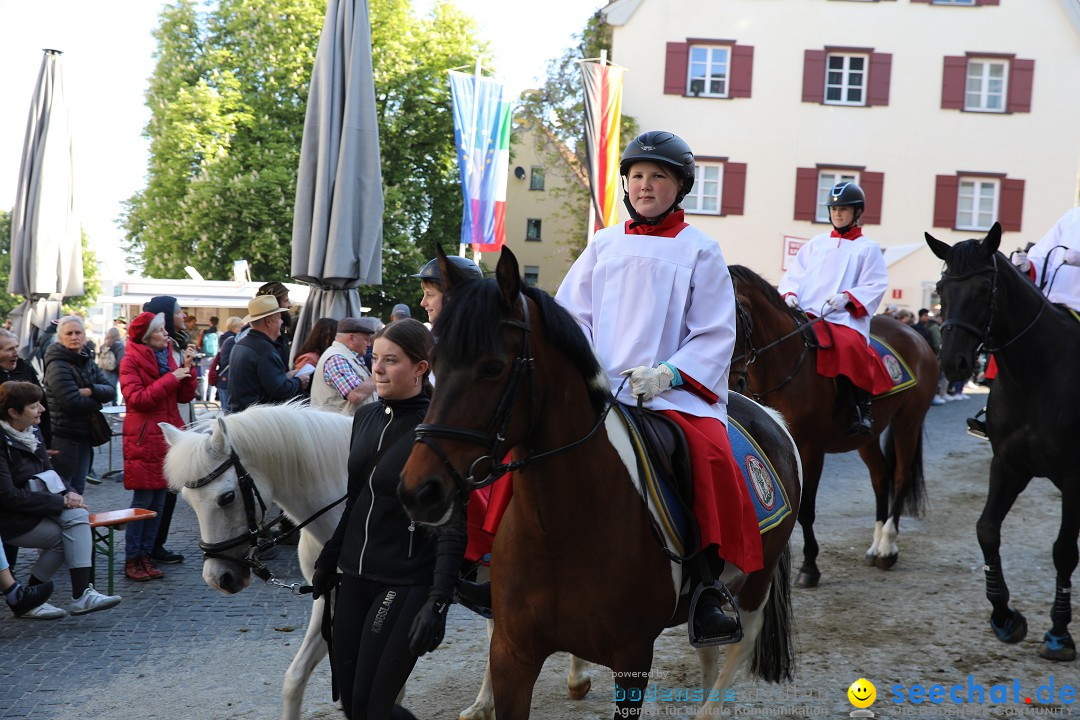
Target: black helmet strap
x: 854, y: 219
x: 637, y: 217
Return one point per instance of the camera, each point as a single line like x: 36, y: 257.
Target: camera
x: 198, y: 356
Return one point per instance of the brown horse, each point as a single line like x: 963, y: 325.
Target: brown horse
x: 576, y: 567
x: 775, y: 362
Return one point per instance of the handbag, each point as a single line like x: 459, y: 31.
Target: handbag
x: 100, y: 430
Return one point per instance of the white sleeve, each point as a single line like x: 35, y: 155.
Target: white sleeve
x: 789, y: 284
x: 705, y: 354
x: 575, y: 293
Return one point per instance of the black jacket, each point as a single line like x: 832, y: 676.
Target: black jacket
x: 65, y: 373
x: 25, y: 372
x: 226, y: 343
x: 375, y: 538
x: 20, y: 508
x: 257, y: 374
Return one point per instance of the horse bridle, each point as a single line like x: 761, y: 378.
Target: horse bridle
x: 495, y: 434
x: 984, y: 334
x: 742, y: 317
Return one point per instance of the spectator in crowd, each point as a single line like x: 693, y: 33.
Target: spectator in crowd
x: 257, y: 371
x: 21, y: 598
x: 320, y: 338
x: 281, y: 294
x: 220, y: 367
x: 13, y: 367
x: 38, y: 508
x: 431, y: 282
x: 400, y: 312
x: 154, y: 386
x: 342, y: 382
x: 111, y: 355
x: 906, y: 316
x: 208, y: 346
x: 75, y: 388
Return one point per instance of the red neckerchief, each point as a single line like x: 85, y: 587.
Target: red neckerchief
x: 853, y: 233
x: 670, y: 226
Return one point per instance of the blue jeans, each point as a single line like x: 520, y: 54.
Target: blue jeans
x: 223, y: 397
x: 72, y: 461
x: 140, y: 535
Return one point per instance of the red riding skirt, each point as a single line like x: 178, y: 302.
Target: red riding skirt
x: 844, y: 351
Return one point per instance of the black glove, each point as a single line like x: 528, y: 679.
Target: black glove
x: 323, y: 581
x: 429, y: 626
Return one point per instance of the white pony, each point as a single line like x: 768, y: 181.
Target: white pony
x: 297, y: 457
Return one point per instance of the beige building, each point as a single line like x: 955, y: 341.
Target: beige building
x: 950, y: 113
x: 540, y: 224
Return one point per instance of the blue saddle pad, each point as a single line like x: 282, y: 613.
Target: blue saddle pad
x: 768, y: 495
x: 901, y: 374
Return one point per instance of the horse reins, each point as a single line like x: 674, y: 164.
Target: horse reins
x: 809, y: 341
x: 983, y: 335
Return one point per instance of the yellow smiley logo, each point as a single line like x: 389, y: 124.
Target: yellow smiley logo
x: 862, y: 693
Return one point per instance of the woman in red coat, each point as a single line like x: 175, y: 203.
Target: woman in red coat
x: 152, y: 385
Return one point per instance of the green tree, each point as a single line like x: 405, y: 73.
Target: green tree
x: 228, y: 98
x: 8, y: 302
x: 558, y: 110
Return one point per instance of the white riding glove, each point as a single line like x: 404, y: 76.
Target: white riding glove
x: 838, y: 301
x: 1020, y: 260
x: 1072, y: 257
x: 792, y: 301
x: 647, y: 382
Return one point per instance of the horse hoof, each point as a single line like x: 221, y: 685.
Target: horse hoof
x: 1058, y: 647
x: 885, y: 562
x: 871, y: 559
x: 808, y: 578
x: 579, y: 692
x: 1014, y: 630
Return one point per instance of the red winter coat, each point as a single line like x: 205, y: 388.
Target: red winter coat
x: 150, y: 398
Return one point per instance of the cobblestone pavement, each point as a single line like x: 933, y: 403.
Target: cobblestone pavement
x: 165, y: 647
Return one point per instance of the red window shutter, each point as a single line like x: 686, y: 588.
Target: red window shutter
x: 1021, y: 77
x: 945, y: 193
x: 742, y: 71
x: 873, y: 184
x: 734, y: 193
x: 953, y: 80
x: 922, y: 1
x: 987, y: 2
x: 880, y: 79
x: 806, y: 194
x: 1011, y: 207
x: 678, y: 55
x: 813, y: 76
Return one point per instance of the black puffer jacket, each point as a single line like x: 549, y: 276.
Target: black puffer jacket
x: 375, y: 538
x: 21, y: 509
x: 25, y: 372
x: 65, y: 373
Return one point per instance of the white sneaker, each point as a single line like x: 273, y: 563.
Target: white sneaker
x: 962, y: 396
x: 44, y: 611
x: 938, y: 400
x: 91, y: 600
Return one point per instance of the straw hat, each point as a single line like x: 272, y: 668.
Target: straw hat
x: 261, y: 306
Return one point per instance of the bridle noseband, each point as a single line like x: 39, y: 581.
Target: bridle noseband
x: 983, y: 334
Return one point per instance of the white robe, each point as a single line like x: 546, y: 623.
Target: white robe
x: 828, y: 265
x: 1066, y: 283
x: 647, y: 299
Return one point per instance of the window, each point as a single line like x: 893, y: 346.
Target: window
x: 708, y: 71
x: 704, y: 197
x: 532, y: 229
x: 953, y: 2
x: 536, y: 178
x: 826, y: 181
x: 984, y: 90
x: 812, y: 187
x: 973, y: 201
x: 845, y: 79
x: 968, y: 3
x: 532, y: 275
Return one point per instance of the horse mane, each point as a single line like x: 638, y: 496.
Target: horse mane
x: 470, y: 325
x: 299, y: 443
x: 746, y: 276
x: 966, y: 257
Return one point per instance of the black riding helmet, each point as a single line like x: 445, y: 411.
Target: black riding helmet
x: 661, y: 147
x: 847, y: 193
x: 430, y: 271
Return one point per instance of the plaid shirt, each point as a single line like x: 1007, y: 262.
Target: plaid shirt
x: 339, y: 374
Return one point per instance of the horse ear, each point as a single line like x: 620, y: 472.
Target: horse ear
x: 508, y: 275
x: 937, y: 247
x: 172, y: 433
x: 992, y: 241
x: 217, y: 438
x: 451, y: 274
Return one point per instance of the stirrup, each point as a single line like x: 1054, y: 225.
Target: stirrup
x: 474, y: 596
x: 728, y: 601
x: 977, y: 428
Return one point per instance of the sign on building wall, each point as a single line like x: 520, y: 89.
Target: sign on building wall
x: 791, y: 249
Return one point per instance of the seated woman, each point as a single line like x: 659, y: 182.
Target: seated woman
x: 38, y: 509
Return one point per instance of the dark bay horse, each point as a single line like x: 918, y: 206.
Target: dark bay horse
x: 777, y: 364
x: 1033, y: 417
x: 576, y: 567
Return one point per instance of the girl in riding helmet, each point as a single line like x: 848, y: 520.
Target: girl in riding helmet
x: 431, y: 282
x: 655, y: 299
x: 842, y: 274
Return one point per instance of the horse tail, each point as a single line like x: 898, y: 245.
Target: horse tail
x: 912, y: 501
x: 774, y: 653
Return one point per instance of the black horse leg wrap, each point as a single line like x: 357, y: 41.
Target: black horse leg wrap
x: 997, y: 592
x: 1061, y: 613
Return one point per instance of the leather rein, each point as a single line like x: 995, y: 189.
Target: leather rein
x: 751, y: 354
x: 983, y: 334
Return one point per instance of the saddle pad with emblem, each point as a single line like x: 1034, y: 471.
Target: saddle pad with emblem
x: 768, y: 495
x: 901, y: 374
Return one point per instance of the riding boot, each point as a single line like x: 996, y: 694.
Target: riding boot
x: 708, y: 624
x: 862, y: 422
x: 977, y: 426
x: 474, y: 596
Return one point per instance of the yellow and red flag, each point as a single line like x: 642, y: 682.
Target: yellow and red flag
x: 603, y: 113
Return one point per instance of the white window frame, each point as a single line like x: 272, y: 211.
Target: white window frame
x: 974, y: 217
x: 716, y: 57
x: 978, y: 99
x: 826, y: 179
x: 845, y: 84
x: 708, y: 189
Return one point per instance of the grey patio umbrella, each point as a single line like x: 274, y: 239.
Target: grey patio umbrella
x: 46, y: 246
x: 337, y: 223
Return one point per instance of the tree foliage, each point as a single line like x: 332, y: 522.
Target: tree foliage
x: 558, y: 110
x: 228, y: 98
